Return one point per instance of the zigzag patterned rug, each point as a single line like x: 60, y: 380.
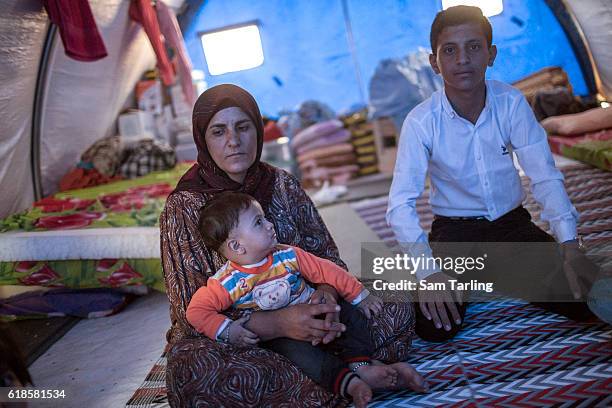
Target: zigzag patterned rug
x: 512, y: 354
x: 509, y: 353
x: 152, y: 392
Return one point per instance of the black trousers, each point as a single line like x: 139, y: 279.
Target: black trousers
x: 328, y: 364
x: 515, y: 226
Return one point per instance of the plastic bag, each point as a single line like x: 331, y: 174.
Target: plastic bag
x: 398, y: 85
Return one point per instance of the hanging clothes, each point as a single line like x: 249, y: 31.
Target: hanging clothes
x: 172, y: 33
x: 142, y: 12
x: 78, y: 29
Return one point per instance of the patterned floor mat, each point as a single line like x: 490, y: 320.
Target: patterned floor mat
x: 152, y: 392
x: 509, y: 353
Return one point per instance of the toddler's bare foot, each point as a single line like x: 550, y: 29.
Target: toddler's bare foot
x: 378, y: 376
x: 408, y: 377
x: 360, y: 391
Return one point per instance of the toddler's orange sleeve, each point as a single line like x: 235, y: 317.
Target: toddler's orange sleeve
x: 203, y: 312
x: 319, y: 270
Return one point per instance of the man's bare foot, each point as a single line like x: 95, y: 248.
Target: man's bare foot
x: 360, y: 391
x: 378, y: 376
x: 408, y: 377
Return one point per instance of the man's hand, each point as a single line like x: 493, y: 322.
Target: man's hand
x: 371, y: 306
x: 326, y: 294
x: 239, y: 335
x: 432, y: 303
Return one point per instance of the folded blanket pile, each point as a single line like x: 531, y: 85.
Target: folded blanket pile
x: 362, y: 139
x: 325, y: 154
x: 546, y: 78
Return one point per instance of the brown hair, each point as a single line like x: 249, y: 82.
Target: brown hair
x: 220, y: 216
x: 457, y: 15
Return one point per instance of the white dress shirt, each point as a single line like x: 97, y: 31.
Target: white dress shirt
x: 471, y: 167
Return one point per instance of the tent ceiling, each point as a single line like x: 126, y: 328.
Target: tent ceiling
x: 307, y: 55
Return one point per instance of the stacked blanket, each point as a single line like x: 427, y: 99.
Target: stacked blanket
x: 546, y: 78
x: 362, y: 139
x: 325, y: 154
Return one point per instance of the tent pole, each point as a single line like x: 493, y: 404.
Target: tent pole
x: 37, y: 111
x: 563, y: 12
x: 352, y: 49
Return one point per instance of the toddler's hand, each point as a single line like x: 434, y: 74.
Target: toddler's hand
x: 371, y: 306
x: 239, y: 335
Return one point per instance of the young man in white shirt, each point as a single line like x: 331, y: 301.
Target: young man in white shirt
x: 465, y: 135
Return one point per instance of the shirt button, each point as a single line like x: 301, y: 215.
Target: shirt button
x: 486, y: 183
x: 478, y: 157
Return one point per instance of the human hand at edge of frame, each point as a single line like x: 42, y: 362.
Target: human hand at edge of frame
x: 553, y: 126
x: 371, y: 306
x: 434, y: 303
x: 241, y: 336
x: 326, y: 294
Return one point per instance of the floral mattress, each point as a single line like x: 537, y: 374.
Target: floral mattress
x: 103, y: 236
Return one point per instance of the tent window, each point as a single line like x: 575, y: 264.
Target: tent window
x: 232, y: 49
x: 489, y: 7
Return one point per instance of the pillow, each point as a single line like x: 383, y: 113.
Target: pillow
x: 145, y: 157
x: 595, y: 152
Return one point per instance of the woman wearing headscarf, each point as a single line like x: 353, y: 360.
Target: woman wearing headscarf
x: 228, y: 132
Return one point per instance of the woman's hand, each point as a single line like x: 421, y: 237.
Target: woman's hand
x: 324, y: 296
x: 300, y: 322
x: 371, y: 306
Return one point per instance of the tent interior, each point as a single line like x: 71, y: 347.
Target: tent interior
x: 319, y: 61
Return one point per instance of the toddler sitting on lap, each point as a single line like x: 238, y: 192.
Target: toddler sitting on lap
x: 262, y: 274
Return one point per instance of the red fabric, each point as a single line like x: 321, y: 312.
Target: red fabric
x: 81, y: 178
x: 205, y: 176
x: 558, y: 142
x: 142, y: 12
x: 78, y: 29
x: 172, y: 33
x: 272, y: 131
